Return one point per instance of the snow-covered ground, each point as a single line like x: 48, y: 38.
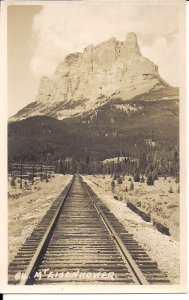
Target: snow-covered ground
x: 127, y: 108
x: 161, y: 248
x: 113, y: 159
x: 26, y: 208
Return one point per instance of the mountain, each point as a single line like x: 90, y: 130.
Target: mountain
x: 108, y: 101
x: 84, y: 82
x: 117, y: 128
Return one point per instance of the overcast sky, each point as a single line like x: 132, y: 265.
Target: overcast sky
x: 39, y: 37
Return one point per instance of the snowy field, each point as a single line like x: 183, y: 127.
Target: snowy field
x: 163, y: 205
x: 27, y: 206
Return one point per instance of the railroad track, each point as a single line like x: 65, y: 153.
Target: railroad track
x: 80, y: 241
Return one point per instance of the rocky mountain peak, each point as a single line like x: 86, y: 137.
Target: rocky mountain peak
x: 131, y: 44
x: 131, y: 39
x: 84, y: 81
x: 111, y: 67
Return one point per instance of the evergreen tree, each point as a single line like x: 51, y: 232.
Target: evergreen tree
x: 142, y: 161
x: 60, y: 167
x: 150, y: 179
x: 137, y: 177
x: 155, y: 175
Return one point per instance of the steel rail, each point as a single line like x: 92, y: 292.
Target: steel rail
x: 43, y: 244
x: 133, y: 266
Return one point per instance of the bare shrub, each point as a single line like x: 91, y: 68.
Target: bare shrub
x: 131, y: 186
x: 142, y: 180
x: 30, y: 177
x: 41, y: 176
x: 25, y: 184
x: 113, y: 184
x: 13, y: 182
x: 119, y: 180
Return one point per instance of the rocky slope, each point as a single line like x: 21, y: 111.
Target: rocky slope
x: 85, y: 81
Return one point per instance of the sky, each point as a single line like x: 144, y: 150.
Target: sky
x: 40, y: 36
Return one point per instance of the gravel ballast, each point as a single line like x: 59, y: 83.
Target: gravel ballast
x: 161, y: 248
x: 26, y: 208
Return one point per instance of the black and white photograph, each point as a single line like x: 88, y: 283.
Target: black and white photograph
x: 95, y: 156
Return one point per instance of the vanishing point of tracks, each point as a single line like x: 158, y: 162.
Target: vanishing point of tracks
x: 80, y: 241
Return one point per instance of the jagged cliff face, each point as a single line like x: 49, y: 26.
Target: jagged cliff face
x: 85, y: 81
x: 109, y: 68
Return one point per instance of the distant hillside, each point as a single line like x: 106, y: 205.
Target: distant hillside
x: 111, y: 132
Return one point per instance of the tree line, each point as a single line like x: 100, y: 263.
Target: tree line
x: 157, y: 164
